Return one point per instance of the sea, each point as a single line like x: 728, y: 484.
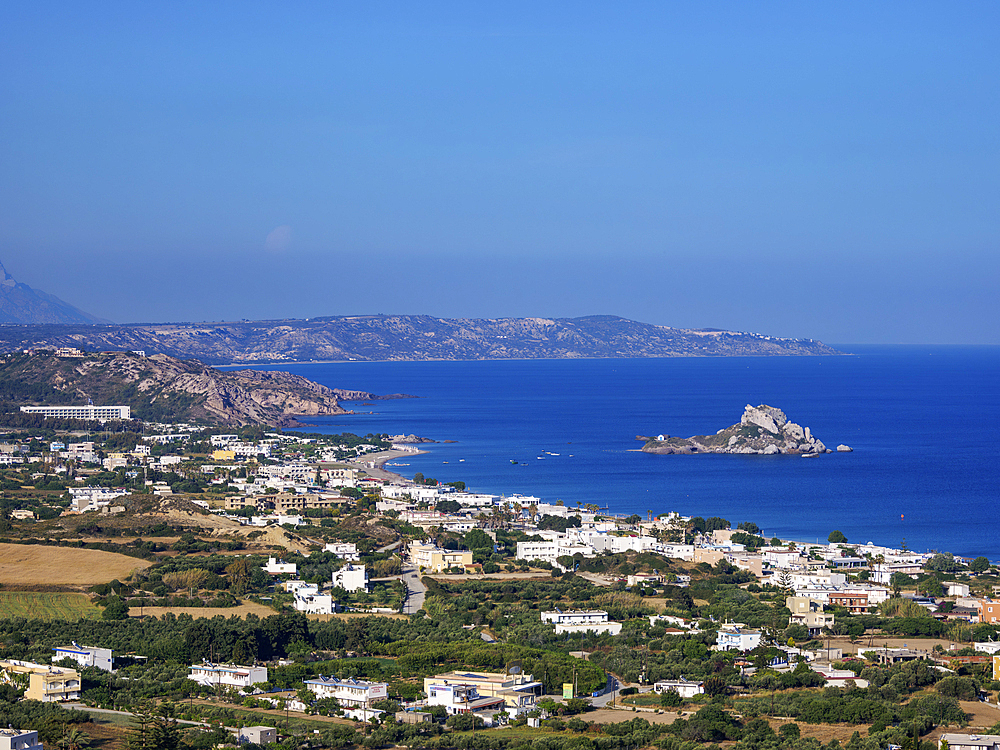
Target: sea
x: 923, y: 422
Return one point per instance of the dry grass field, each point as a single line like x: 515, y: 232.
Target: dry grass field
x: 38, y: 565
x: 244, y: 609
x: 37, y: 605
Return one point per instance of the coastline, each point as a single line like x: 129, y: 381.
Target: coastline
x: 379, y: 460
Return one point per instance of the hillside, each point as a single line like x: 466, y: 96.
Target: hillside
x: 163, y: 388
x: 409, y: 337
x: 19, y: 303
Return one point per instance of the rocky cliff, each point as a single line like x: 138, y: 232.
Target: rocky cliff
x: 762, y: 430
x: 408, y: 337
x: 163, y: 388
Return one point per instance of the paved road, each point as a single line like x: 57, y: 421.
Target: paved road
x: 415, y: 590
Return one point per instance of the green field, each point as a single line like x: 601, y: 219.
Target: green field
x: 35, y: 605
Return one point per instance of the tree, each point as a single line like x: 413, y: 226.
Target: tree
x: 837, y: 537
x: 979, y: 565
x: 448, y: 506
x: 164, y: 733
x: 897, y: 581
x: 942, y: 561
x: 117, y: 609
x: 478, y: 539
x: 670, y: 698
x: 749, y: 527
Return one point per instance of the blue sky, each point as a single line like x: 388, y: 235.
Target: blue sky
x: 823, y: 170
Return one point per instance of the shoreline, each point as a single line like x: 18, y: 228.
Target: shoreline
x: 380, y: 460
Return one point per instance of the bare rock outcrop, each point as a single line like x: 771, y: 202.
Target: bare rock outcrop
x: 762, y: 430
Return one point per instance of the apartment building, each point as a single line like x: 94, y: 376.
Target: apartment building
x: 350, y: 578
x: 86, y: 656
x: 352, y: 693
x: 19, y: 739
x: 89, y: 412
x: 518, y: 691
x: 434, y: 559
x: 229, y: 675
x: 42, y: 682
x: 582, y: 621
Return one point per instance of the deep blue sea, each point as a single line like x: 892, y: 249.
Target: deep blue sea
x: 924, y: 423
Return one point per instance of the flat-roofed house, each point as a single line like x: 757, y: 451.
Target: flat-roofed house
x: 231, y: 675
x: 42, y: 682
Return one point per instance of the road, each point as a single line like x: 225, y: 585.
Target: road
x: 415, y: 590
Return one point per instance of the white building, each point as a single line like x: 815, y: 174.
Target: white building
x: 19, y: 739
x: 351, y: 692
x: 91, y: 498
x: 343, y: 550
x: 970, y: 741
x: 308, y: 599
x: 461, y: 699
x: 685, y: 688
x: 258, y: 735
x: 90, y: 412
x: 735, y: 637
x: 276, y: 567
x: 473, y: 499
x: 552, y: 549
x: 350, y: 578
x: 582, y: 621
x: 230, y: 675
x: 86, y: 656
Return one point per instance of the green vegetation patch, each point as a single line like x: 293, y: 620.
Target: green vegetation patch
x: 34, y: 605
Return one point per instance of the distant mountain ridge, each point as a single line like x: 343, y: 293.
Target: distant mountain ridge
x: 19, y: 303
x: 408, y: 337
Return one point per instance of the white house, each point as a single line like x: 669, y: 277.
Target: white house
x: 685, y: 688
x: 735, y: 637
x: 276, y: 567
x: 230, y: 675
x: 461, y: 699
x: 86, y: 656
x: 343, y: 550
x: 351, y: 692
x: 970, y: 741
x: 19, y: 739
x: 308, y: 599
x: 582, y: 621
x: 350, y: 578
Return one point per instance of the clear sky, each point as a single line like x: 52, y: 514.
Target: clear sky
x: 811, y: 169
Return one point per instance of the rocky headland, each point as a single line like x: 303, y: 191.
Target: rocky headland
x: 162, y: 388
x: 761, y: 430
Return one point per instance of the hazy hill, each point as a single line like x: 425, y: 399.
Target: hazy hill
x: 409, y: 337
x: 160, y: 387
x: 19, y: 303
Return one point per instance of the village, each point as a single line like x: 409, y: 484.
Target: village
x: 774, y: 612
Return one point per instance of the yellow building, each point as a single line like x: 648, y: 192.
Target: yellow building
x: 434, y: 559
x: 221, y: 455
x: 42, y: 682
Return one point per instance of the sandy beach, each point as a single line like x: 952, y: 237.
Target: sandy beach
x: 380, y: 459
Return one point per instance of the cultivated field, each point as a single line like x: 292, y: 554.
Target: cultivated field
x: 244, y: 609
x: 38, y: 565
x: 36, y: 605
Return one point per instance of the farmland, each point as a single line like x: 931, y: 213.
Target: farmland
x: 38, y: 565
x: 35, y: 605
